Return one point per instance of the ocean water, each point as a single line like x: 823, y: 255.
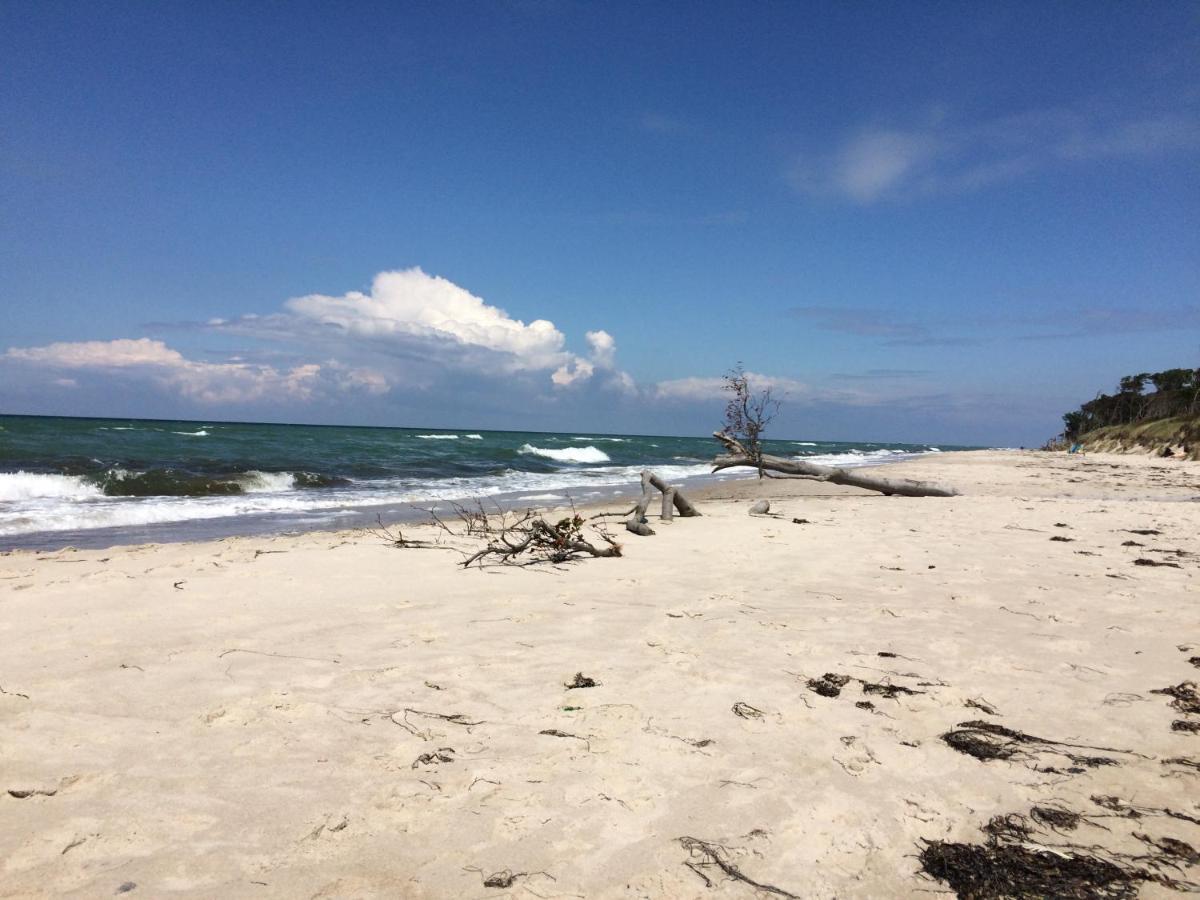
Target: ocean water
x: 99, y: 482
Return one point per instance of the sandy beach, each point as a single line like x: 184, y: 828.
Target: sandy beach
x: 324, y: 715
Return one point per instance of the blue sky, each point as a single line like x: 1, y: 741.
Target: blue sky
x: 926, y: 222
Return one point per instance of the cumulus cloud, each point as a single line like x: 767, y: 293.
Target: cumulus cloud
x: 411, y: 303
x: 413, y: 329
x: 574, y: 371
x: 939, y: 155
x: 117, y: 354
x: 604, y: 348
x: 430, y: 322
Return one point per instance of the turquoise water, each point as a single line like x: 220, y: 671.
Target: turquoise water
x: 95, y: 482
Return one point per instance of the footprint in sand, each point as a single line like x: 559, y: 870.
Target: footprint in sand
x: 858, y: 759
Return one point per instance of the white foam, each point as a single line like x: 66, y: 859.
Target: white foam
x: 612, y: 439
x: 59, y: 504
x: 568, y: 454
x: 200, y: 433
x: 255, y: 481
x: 473, y: 437
x: 16, y: 486
x: 805, y: 443
x: 855, y: 458
x: 438, y: 437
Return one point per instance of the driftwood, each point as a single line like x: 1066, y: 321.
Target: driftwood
x: 559, y: 542
x: 672, y: 501
x: 905, y: 487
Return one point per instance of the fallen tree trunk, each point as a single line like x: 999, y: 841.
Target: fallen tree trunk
x: 671, y: 499
x: 682, y: 505
x: 637, y: 521
x: 905, y: 487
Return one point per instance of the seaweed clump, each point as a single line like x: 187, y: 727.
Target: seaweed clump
x: 982, y: 743
x: 1060, y: 819
x: 828, y: 685
x: 987, y: 741
x: 1186, y: 699
x: 996, y: 870
x: 888, y: 691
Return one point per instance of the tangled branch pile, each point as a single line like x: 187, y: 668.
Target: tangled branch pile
x: 525, y: 537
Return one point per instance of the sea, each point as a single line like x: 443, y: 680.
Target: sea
x: 101, y: 482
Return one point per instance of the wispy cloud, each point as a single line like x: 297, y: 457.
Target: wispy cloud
x: 711, y: 388
x: 859, y: 320
x: 941, y: 155
x: 880, y: 374
x: 895, y: 329
x: 1108, y: 320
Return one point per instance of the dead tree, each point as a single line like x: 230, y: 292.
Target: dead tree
x: 672, y: 501
x: 747, y: 414
x: 905, y: 487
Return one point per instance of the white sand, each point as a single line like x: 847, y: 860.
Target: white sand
x: 222, y: 719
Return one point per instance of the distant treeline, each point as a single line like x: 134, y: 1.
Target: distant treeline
x: 1176, y: 392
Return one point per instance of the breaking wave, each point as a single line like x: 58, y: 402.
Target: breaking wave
x: 16, y: 486
x: 567, y: 454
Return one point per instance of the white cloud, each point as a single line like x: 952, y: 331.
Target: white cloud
x: 368, y: 380
x: 874, y: 162
x: 202, y: 381
x: 117, y: 354
x: 410, y: 303
x: 789, y: 391
x: 574, y: 371
x: 622, y: 382
x: 708, y: 388
x: 604, y: 348
x: 691, y: 388
x: 412, y: 329
x: 939, y: 156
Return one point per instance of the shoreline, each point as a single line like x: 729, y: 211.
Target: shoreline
x: 323, y: 715
x: 353, y: 517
